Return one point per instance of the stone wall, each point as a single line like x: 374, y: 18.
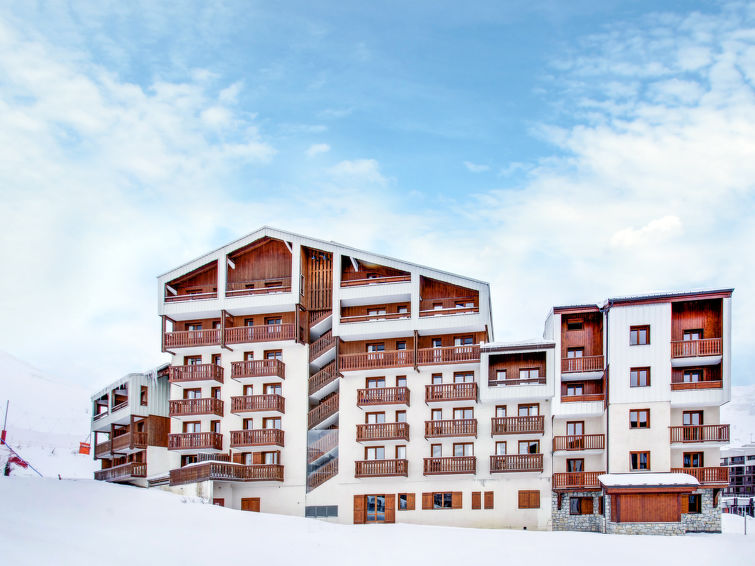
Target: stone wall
x: 644, y: 528
x: 708, y: 520
x: 563, y: 521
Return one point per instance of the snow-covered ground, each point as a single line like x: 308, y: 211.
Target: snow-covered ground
x: 740, y: 414
x: 46, y: 521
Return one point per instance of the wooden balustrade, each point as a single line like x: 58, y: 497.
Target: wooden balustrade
x: 579, y: 442
x: 322, y: 445
x: 322, y: 474
x: 382, y: 396
x: 376, y: 360
x: 706, y: 476
x: 451, y: 392
x: 516, y: 463
x: 584, y: 364
x: 258, y: 368
x: 136, y: 440
x: 253, y: 403
x: 119, y: 406
x: 196, y: 292
x: 590, y: 391
x: 101, y: 415
x: 382, y: 431
x: 450, y: 305
x: 322, y: 345
x: 678, y: 384
x: 517, y: 425
x: 195, y: 407
x: 696, y: 348
x: 374, y: 317
x: 380, y: 468
x: 448, y: 355
x: 322, y: 411
x: 196, y: 372
x: 575, y: 481
x: 699, y: 433
x: 195, y: 441
x: 261, y: 333
x: 326, y: 375
x: 226, y: 471
x: 258, y: 286
x: 517, y: 381
x: 213, y: 457
x: 450, y: 465
x: 102, y: 449
x: 316, y: 317
x: 257, y: 437
x: 123, y: 472
x: 189, y: 338
x: 454, y: 427
x: 356, y: 279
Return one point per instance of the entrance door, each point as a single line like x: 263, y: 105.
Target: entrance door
x: 375, y: 509
x: 250, y: 504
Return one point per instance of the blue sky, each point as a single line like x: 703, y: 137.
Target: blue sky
x: 565, y: 152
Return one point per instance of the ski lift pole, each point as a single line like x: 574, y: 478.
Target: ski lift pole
x: 5, y: 422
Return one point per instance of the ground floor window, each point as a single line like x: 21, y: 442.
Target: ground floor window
x: 375, y: 508
x: 580, y: 506
x: 694, y: 503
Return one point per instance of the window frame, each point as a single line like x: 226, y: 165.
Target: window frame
x: 639, y: 454
x: 634, y: 335
x: 638, y: 370
x: 639, y: 420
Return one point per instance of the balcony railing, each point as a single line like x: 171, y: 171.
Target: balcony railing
x: 455, y: 427
x: 448, y: 355
x: 382, y: 396
x: 322, y: 345
x: 516, y: 463
x: 374, y: 317
x: 123, y: 472
x: 197, y: 372
x: 196, y: 407
x: 356, y: 279
x: 101, y: 415
x: 189, y: 338
x: 583, y: 392
x: 382, y: 431
x: 322, y: 445
x: 322, y: 474
x: 261, y: 333
x: 378, y: 468
x: 136, y: 440
x: 706, y: 476
x: 316, y: 317
x: 579, y: 442
x: 252, y: 403
x: 226, y: 471
x: 257, y: 437
x: 196, y: 292
x: 576, y: 481
x: 451, y: 392
x: 696, y: 348
x: 450, y: 465
x: 678, y: 384
x: 102, y: 449
x: 258, y: 368
x: 326, y: 375
x: 517, y: 381
x: 700, y: 433
x: 195, y: 441
x: 584, y: 364
x: 258, y: 286
x: 376, y: 360
x: 518, y: 425
x: 451, y: 305
x: 322, y: 411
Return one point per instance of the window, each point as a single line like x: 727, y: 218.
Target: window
x: 375, y: 382
x: 216, y: 359
x: 500, y: 448
x: 463, y: 413
x: 500, y: 411
x: 575, y: 465
x: 248, y: 424
x: 187, y: 459
x: 374, y: 418
x: 692, y: 460
x: 194, y: 326
x: 375, y: 312
x: 574, y: 324
x: 400, y: 416
x: 639, y: 461
x: 248, y: 322
x: 573, y: 390
x: 401, y: 345
x: 463, y: 449
x: 436, y: 415
x: 192, y: 360
x: 273, y: 389
x: 442, y: 500
x: 374, y: 453
x: 463, y: 377
x: 692, y: 418
x: 400, y: 381
x: 529, y: 373
x: 270, y: 320
x: 376, y: 347
x: 528, y: 410
x: 694, y: 503
x: 215, y: 392
x: 580, y: 506
x: 639, y: 418
x: 437, y: 378
x: 463, y: 340
x: 271, y: 458
x: 248, y: 356
x: 529, y: 446
x: 639, y: 377
x: 192, y: 393
x: 436, y: 450
x: 248, y: 390
x: 696, y: 334
x: 402, y: 309
x: 575, y: 352
x: 529, y: 499
x: 401, y: 452
x: 271, y: 422
x: 406, y: 502
x: 500, y: 375
x: 273, y: 354
x: 639, y: 335
x: 692, y: 375
x: 191, y: 427
x: 437, y: 343
x: 215, y: 426
x: 143, y: 395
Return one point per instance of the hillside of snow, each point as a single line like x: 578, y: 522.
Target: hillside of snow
x: 740, y: 414
x: 47, y: 419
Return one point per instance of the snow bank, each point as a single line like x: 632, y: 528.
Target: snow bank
x: 740, y: 414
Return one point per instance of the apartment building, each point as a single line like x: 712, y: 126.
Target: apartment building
x: 310, y: 378
x: 740, y: 493
x: 130, y: 428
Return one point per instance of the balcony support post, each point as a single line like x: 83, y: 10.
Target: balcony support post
x: 416, y: 340
x: 162, y: 337
x: 223, y: 316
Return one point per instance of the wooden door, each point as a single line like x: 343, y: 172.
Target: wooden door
x: 250, y: 504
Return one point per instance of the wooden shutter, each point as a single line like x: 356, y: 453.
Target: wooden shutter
x: 529, y: 499
x: 488, y: 500
x: 258, y: 458
x: 476, y: 504
x: 390, y: 508
x: 359, y: 511
x: 684, y: 499
x: 523, y: 499
x: 456, y: 500
x: 237, y: 458
x: 585, y: 505
x: 410, y: 502
x: 427, y: 501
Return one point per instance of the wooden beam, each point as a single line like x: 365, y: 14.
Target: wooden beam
x: 354, y: 263
x: 223, y: 316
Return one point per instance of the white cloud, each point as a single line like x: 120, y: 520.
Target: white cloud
x: 358, y: 170
x: 317, y: 148
x: 653, y: 233
x: 475, y: 167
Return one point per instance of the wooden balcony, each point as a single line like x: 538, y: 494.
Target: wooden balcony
x: 322, y: 345
x: 450, y: 465
x: 322, y: 445
x: 198, y: 372
x: 696, y: 348
x: 714, y: 476
x: 195, y: 441
x: 119, y: 406
x: 382, y: 396
x: 258, y: 368
x: 257, y: 403
x: 517, y: 425
x: 355, y: 279
x: 382, y: 431
x: 102, y: 449
x: 191, y: 338
x: 124, y: 472
x: 576, y: 481
x: 380, y: 468
x: 450, y: 305
x: 375, y: 317
x: 130, y: 441
x: 579, y: 442
x: 454, y: 427
x: 517, y: 381
x: 591, y: 391
x: 678, y: 384
x: 516, y: 463
x: 325, y: 376
x: 699, y: 433
x: 194, y: 293
x: 101, y: 415
x: 226, y: 471
x: 195, y: 407
x: 448, y: 355
x: 322, y: 474
x: 261, y: 333
x: 584, y: 364
x: 376, y: 360
x: 257, y: 437
x: 451, y: 392
x: 326, y: 409
x: 316, y: 317
x: 258, y: 286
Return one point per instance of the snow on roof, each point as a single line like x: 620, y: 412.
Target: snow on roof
x: 668, y: 295
x: 518, y: 345
x: 647, y: 479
